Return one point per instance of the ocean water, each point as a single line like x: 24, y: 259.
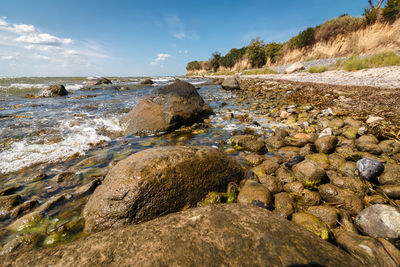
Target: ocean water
x: 55, y: 134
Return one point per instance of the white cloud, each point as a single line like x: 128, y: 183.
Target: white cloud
x: 160, y: 57
x: 26, y: 42
x: 3, y: 21
x: 40, y: 57
x: 179, y: 35
x: 43, y: 38
x: 7, y: 58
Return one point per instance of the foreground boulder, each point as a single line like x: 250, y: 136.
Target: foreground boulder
x: 53, y: 90
x: 166, y: 109
x: 230, y: 83
x: 156, y: 182
x: 98, y: 81
x: 214, y: 235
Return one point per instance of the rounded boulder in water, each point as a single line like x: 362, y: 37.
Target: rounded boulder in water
x: 370, y: 169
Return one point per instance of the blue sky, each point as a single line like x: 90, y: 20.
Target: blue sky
x: 138, y: 38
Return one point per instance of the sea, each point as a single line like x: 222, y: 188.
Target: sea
x: 52, y: 135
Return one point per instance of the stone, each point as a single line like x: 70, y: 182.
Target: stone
x: 272, y: 183
x: 213, y: 235
x: 368, y: 250
x: 302, y: 136
x: 309, y: 173
x: 321, y: 159
x: 312, y: 223
x: 370, y: 169
x: 24, y: 208
x: 281, y: 133
x: 375, y: 199
x: 53, y: 90
x: 309, y: 198
x: 9, y: 202
x: 274, y: 142
x: 166, y: 109
x: 249, y: 143
x: 359, y: 187
x: 391, y: 175
x: 267, y: 167
x: 9, y: 190
x: 326, y: 132
x: 336, y: 123
x: 307, y: 149
x: 295, y: 160
x: 253, y: 159
x: 373, y: 119
x: 295, y: 67
x: 296, y: 142
x: 392, y: 191
x: 147, y: 82
x: 390, y: 146
x: 21, y: 243
x: 284, y: 205
x: 294, y: 187
x: 98, y: 81
x: 253, y: 191
x: 158, y: 181
x: 284, y: 175
x: 284, y: 114
x: 326, y: 213
x: 351, y: 132
x: 326, y: 144
x: 380, y: 221
x: 230, y: 83
x: 348, y: 200
x: 368, y: 143
x: 352, y: 122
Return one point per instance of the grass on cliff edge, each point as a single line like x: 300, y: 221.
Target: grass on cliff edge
x: 260, y: 71
x: 375, y: 61
x: 318, y: 69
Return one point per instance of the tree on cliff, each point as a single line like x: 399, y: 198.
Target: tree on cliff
x: 378, y: 4
x: 256, y: 53
x: 216, y: 57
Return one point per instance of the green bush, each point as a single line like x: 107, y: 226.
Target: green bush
x: 272, y: 51
x: 234, y: 55
x: 318, y: 69
x: 304, y: 39
x: 379, y: 60
x: 341, y: 25
x: 193, y: 65
x: 370, y: 15
x: 391, y: 11
x: 214, y: 61
x: 256, y: 53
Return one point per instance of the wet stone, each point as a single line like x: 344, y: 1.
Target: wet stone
x: 380, y: 221
x: 326, y: 144
x: 272, y: 183
x: 295, y: 160
x: 9, y: 202
x: 326, y: 214
x: 252, y: 191
x: 309, y: 173
x: 392, y: 191
x: 338, y: 196
x: 294, y: 187
x: 284, y: 205
x: 370, y: 169
x: 9, y: 190
x: 391, y: 175
x: 312, y: 223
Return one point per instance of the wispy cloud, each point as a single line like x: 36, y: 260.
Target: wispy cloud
x: 7, y: 57
x: 160, y: 57
x: 179, y: 30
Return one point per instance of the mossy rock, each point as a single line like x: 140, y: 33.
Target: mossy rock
x: 217, y: 197
x: 321, y: 159
x: 313, y: 224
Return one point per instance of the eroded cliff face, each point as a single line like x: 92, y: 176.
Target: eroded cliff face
x: 373, y: 39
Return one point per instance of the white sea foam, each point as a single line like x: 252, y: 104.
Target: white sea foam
x: 76, y: 139
x: 73, y: 87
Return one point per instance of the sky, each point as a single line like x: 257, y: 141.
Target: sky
x: 144, y: 38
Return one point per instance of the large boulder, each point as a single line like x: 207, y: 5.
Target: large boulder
x: 147, y: 82
x: 166, y: 109
x: 98, y: 81
x: 295, y: 67
x: 158, y: 181
x: 213, y: 235
x: 230, y: 83
x: 53, y: 90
